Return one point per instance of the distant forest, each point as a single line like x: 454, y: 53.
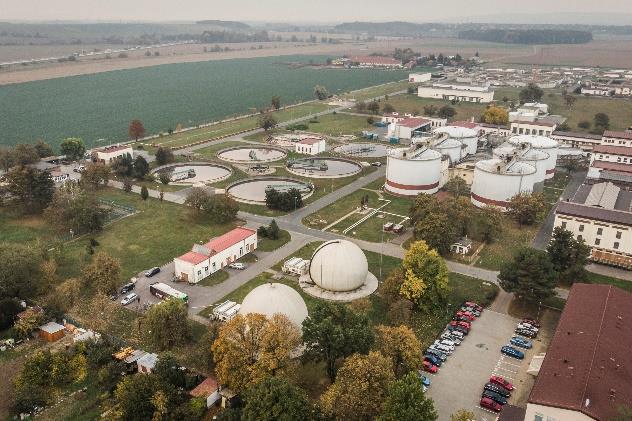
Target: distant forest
x: 528, y: 36
x: 228, y: 36
x: 236, y: 26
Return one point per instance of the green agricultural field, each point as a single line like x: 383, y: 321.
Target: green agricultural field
x: 339, y: 124
x: 98, y: 107
x: 407, y: 103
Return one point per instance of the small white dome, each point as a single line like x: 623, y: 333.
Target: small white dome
x: 537, y: 142
x: 270, y: 299
x: 456, y: 132
x: 339, y: 266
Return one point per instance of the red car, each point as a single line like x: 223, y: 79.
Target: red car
x: 430, y: 367
x: 466, y: 325
x: 504, y: 383
x: 487, y: 403
x: 473, y: 304
x: 532, y: 322
x: 465, y: 314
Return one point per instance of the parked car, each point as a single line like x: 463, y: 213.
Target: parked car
x: 512, y: 352
x: 238, y: 266
x: 447, y: 336
x: 448, y: 342
x: 433, y: 359
x: 501, y: 381
x: 437, y: 354
x: 471, y: 310
x: 466, y: 314
x: 430, y: 367
x: 456, y: 334
x: 532, y: 322
x: 151, y: 272
x: 425, y: 380
x: 527, y: 326
x: 443, y: 348
x: 127, y: 288
x: 473, y: 304
x: 376, y: 164
x: 488, y: 403
x: 129, y: 298
x: 464, y: 324
x: 497, y: 388
x: 496, y: 397
x: 521, y: 342
x: 526, y: 332
x: 460, y: 318
x: 459, y: 329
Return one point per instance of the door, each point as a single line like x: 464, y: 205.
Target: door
x: 184, y: 277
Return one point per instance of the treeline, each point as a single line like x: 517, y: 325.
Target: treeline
x: 228, y: 24
x: 226, y: 36
x: 528, y: 36
x: 389, y: 28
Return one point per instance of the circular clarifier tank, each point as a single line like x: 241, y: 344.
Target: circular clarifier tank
x: 363, y: 150
x: 194, y: 173
x: 254, y: 190
x: 323, y: 167
x: 251, y: 154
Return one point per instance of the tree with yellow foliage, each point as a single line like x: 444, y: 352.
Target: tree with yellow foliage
x: 400, y: 344
x: 250, y: 348
x: 496, y: 115
x: 425, y: 280
x: 360, y: 388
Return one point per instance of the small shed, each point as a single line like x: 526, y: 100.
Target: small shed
x: 51, y: 332
x: 209, y: 390
x: 147, y: 362
x: 462, y: 246
x: 296, y: 265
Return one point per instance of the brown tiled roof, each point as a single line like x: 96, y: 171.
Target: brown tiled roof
x: 579, y: 135
x: 413, y: 122
x: 591, y: 212
x: 205, y: 389
x: 614, y: 150
x: 534, y: 123
x: 588, y: 366
x: 612, y: 166
x: 618, y: 135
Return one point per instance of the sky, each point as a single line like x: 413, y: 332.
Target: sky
x: 328, y: 11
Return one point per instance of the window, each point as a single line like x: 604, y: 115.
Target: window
x: 597, y: 241
x: 581, y: 228
x: 241, y: 251
x: 214, y: 266
x: 538, y: 417
x: 199, y: 272
x: 618, y: 235
x: 616, y: 245
x: 205, y: 268
x: 563, y: 225
x: 599, y: 231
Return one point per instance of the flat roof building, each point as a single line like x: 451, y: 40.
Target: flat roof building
x: 458, y: 92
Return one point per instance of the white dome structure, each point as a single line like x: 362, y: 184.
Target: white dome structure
x: 272, y: 298
x: 540, y: 143
x: 468, y: 137
x: 496, y: 182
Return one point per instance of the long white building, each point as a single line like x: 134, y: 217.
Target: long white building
x: 205, y: 259
x: 109, y: 153
x: 465, y: 93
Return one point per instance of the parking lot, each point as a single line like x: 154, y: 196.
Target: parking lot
x: 460, y: 380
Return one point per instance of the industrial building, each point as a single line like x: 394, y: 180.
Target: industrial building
x: 539, y: 128
x: 585, y: 374
x: 410, y: 127
x: 108, y: 154
x: 496, y: 181
x: 600, y: 215
x: 310, y: 146
x: 419, y: 77
x: 458, y: 92
x: 205, y: 259
x: 584, y: 141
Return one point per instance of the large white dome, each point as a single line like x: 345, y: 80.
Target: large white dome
x: 270, y: 299
x: 339, y: 266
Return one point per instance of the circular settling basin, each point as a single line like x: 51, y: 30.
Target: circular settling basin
x: 324, y: 167
x: 245, y: 154
x: 195, y: 173
x: 363, y: 150
x: 254, y: 190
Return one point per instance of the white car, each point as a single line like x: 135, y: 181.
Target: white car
x: 238, y: 266
x: 450, y: 341
x: 455, y: 334
x: 441, y: 342
x: 443, y: 348
x: 129, y: 298
x: 527, y: 326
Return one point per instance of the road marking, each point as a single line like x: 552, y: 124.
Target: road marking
x: 511, y: 364
x: 505, y: 369
x: 486, y: 410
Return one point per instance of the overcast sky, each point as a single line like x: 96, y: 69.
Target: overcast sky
x: 295, y: 10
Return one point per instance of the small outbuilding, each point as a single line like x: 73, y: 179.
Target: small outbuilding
x: 209, y: 390
x: 310, y: 146
x: 51, y: 332
x: 462, y: 246
x: 147, y: 362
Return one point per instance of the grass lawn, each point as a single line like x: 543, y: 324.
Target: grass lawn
x: 152, y: 237
x: 339, y: 124
x: 215, y: 279
x: 15, y: 228
x: 376, y: 91
x: 512, y: 237
x: 409, y: 103
x: 595, y: 278
x: 266, y: 244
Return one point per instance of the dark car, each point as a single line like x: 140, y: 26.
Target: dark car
x: 376, y: 164
x: 498, y: 389
x: 433, y: 359
x: 461, y: 329
x: 488, y: 403
x: 494, y: 396
x: 127, y: 288
x: 151, y: 272
x: 437, y: 354
x: 528, y: 333
x: 532, y: 322
x: 512, y: 352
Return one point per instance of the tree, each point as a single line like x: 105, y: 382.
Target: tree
x: 360, y: 376
x: 284, y: 201
x: 127, y: 185
x: 196, y: 198
x: 167, y: 324
x: 9, y: 308
x: 20, y: 271
x: 43, y: 149
x: 569, y: 100
x: 527, y: 208
x: 276, y: 399
x: 276, y: 102
x: 252, y: 347
x: 320, y: 92
x: 406, y: 401
x: 25, y: 154
x: 141, y: 167
x: 489, y: 223
x: 437, y: 230
x: 425, y: 281
x: 220, y: 208
x: 103, y: 273
x: 496, y: 115
x: 165, y: 177
x: 164, y: 155
x: 457, y: 187
x: 136, y: 130
x: 374, y: 107
x: 584, y: 124
x: 272, y: 231
x: 602, y: 121
x: 531, y: 275
x: 96, y: 175
x: 26, y: 325
x: 168, y: 370
x: 568, y: 255
x: 430, y: 110
x: 123, y: 166
x: 388, y: 108
x: 267, y: 122
x: 73, y: 148
x: 446, y: 112
x: 401, y: 345
x: 463, y: 415
x: 138, y: 397
x: 6, y: 158
x: 532, y: 93
x: 72, y: 208
x: 144, y: 193
x: 571, y: 165
x: 333, y: 331
x: 32, y: 188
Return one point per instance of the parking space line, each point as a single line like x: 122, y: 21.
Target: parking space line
x: 504, y: 369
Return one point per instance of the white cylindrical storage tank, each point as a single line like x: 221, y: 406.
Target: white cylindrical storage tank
x: 496, y: 182
x: 540, y: 161
x: 541, y: 143
x: 410, y: 172
x: 468, y: 137
x: 450, y: 147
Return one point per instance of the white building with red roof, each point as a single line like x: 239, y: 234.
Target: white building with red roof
x: 310, y: 146
x: 109, y: 153
x: 407, y: 128
x: 205, y: 259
